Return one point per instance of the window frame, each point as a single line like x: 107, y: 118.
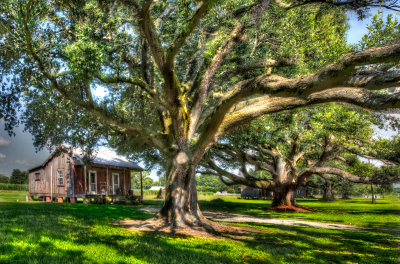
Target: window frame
x: 58, y: 177
x: 95, y: 182
x: 113, y: 182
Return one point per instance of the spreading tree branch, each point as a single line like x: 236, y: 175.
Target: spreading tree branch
x: 89, y: 105
x: 186, y: 31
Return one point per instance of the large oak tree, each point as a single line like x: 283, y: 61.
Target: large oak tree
x: 283, y: 151
x: 178, y: 75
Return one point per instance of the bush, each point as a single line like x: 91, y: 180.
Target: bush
x: 14, y: 187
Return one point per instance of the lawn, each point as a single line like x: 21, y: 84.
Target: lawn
x: 356, y: 211
x: 78, y: 233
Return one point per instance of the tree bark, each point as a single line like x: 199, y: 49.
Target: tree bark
x: 283, y: 197
x: 345, y: 195
x: 328, y: 194
x: 181, y: 207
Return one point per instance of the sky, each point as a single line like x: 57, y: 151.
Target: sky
x: 18, y: 152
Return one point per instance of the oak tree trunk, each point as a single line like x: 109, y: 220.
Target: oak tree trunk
x: 181, y: 207
x: 328, y: 194
x: 345, y: 195
x: 284, y: 197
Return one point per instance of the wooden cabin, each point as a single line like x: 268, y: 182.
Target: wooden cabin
x: 65, y: 176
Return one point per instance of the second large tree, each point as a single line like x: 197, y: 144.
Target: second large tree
x: 178, y: 75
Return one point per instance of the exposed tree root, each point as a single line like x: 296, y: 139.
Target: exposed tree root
x: 206, y: 229
x: 292, y: 208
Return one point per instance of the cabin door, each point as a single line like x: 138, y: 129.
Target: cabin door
x: 115, y: 182
x: 92, y: 182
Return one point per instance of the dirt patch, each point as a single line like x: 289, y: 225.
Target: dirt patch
x: 284, y: 208
x: 219, y: 231
x: 239, y: 218
x: 297, y: 208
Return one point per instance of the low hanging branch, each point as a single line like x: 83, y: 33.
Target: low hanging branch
x: 161, y: 78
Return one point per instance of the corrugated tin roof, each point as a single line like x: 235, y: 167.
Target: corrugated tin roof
x: 106, y: 156
x: 103, y: 156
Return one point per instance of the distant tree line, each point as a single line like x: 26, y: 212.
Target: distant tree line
x: 210, y: 183
x: 17, y: 177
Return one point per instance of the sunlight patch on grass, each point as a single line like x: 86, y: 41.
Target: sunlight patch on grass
x: 80, y: 233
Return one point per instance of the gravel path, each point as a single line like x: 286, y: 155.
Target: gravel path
x: 239, y: 218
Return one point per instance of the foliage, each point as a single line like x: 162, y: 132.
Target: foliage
x: 160, y: 181
x: 388, y: 149
x: 381, y: 32
x: 4, y: 179
x: 178, y: 75
x: 19, y: 177
x: 209, y: 183
x: 147, y: 180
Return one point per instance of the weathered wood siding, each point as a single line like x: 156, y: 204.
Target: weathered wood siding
x: 48, y: 183
x: 75, y: 181
x: 79, y: 180
x: 40, y: 185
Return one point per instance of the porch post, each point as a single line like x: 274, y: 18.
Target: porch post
x: 108, y: 189
x: 141, y: 185
x: 84, y: 175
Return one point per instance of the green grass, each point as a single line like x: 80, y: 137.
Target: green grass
x: 356, y: 211
x: 77, y: 233
x: 14, y: 187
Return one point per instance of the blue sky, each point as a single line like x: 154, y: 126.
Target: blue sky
x: 19, y: 153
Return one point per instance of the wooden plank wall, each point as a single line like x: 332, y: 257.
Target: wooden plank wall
x: 47, y: 186
x: 63, y: 162
x: 79, y: 180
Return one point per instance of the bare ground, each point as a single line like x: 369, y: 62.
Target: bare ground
x: 219, y: 231
x: 223, y: 231
x: 239, y: 218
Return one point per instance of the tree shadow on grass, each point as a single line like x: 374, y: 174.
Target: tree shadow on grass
x: 54, y: 233
x: 326, y: 212
x: 313, y: 245
x: 78, y: 233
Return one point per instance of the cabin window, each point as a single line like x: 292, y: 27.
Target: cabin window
x: 37, y: 176
x: 60, y: 177
x: 115, y: 182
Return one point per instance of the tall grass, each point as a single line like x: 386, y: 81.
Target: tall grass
x: 14, y: 187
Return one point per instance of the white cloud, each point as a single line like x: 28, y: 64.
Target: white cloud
x: 2, y: 156
x: 22, y: 162
x: 4, y: 142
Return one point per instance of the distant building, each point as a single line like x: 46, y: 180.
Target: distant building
x: 157, y: 188
x: 65, y: 175
x: 250, y: 192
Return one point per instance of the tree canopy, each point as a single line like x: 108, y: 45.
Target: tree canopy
x: 4, y: 179
x: 287, y: 149
x: 179, y: 75
x: 19, y: 177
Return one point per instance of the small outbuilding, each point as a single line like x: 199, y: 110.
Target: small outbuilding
x: 64, y: 175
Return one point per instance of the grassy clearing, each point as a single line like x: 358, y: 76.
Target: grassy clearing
x: 79, y: 233
x: 356, y: 211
